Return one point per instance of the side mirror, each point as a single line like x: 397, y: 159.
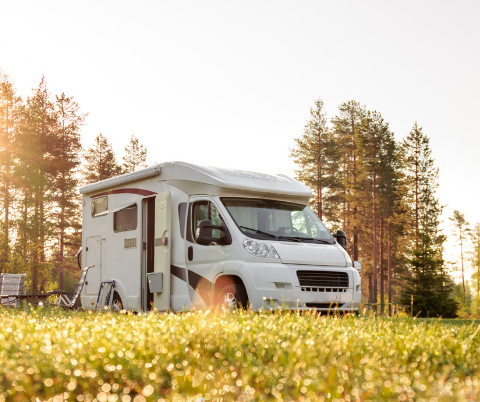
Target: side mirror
x: 205, y: 235
x: 341, y: 238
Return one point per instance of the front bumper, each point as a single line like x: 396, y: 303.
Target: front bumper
x: 273, y: 285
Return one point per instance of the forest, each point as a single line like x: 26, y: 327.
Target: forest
x: 380, y: 191
x: 42, y: 165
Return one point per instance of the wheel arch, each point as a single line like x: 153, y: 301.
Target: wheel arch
x: 223, y: 280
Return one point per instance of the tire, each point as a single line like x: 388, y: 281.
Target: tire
x: 117, y: 304
x: 233, y: 296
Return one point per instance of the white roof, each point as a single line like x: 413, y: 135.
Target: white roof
x: 197, y: 179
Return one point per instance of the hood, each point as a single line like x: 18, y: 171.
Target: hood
x: 309, y: 254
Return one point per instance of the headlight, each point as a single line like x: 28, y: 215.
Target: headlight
x: 257, y: 249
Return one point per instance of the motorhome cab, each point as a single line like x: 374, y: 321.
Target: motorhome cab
x: 178, y: 236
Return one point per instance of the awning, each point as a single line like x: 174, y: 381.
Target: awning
x: 109, y: 211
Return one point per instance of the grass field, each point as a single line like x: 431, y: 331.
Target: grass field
x: 234, y: 356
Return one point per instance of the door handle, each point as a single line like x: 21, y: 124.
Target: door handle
x: 190, y: 253
x: 161, y: 241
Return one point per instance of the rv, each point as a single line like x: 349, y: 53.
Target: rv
x: 178, y: 236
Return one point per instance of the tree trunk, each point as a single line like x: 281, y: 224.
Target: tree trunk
x: 62, y: 236
x: 374, y: 202
x: 6, y: 207
x: 375, y: 262
x: 389, y: 268
x: 42, y: 241
x: 416, y: 196
x: 35, y: 251
x: 463, y: 272
x: 6, y: 190
x: 370, y: 290
x: 382, y: 293
x: 319, y: 177
x: 24, y: 234
x: 355, y: 234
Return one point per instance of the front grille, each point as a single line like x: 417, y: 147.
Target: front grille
x: 324, y: 305
x: 341, y: 290
x: 323, y: 279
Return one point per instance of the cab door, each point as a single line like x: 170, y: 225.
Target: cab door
x: 162, y: 244
x: 204, y: 261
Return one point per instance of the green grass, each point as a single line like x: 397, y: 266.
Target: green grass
x: 453, y: 321
x: 234, y: 356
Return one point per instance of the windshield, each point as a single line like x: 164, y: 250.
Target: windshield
x: 276, y: 219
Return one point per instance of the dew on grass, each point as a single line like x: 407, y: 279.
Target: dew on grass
x: 243, y: 356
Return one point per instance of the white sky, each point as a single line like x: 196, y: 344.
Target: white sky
x: 230, y: 83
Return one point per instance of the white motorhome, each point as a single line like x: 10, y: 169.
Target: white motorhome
x: 178, y: 236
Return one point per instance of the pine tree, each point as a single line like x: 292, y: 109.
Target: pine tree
x: 346, y: 127
x: 378, y: 177
x: 39, y: 156
x: 428, y: 281
x: 66, y: 162
x: 421, y: 177
x: 390, y: 209
x: 100, y: 161
x: 398, y: 247
x: 316, y: 156
x: 431, y: 289
x: 135, y: 156
x: 35, y: 149
x: 461, y: 231
x: 9, y: 104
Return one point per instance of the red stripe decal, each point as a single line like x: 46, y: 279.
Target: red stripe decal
x: 126, y: 191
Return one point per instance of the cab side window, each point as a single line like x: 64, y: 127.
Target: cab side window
x: 200, y: 213
x: 203, y: 210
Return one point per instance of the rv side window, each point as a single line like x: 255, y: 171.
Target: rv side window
x: 125, y: 219
x: 99, y: 205
x: 203, y: 210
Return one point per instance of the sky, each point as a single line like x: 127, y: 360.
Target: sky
x: 230, y: 83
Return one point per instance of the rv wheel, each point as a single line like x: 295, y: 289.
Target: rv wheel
x: 117, y: 305
x: 233, y: 296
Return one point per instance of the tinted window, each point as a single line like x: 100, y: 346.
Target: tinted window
x: 203, y: 210
x: 125, y: 219
x: 200, y: 213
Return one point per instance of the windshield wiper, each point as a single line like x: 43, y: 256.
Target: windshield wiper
x: 321, y: 241
x: 299, y: 238
x: 290, y: 238
x: 259, y: 232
